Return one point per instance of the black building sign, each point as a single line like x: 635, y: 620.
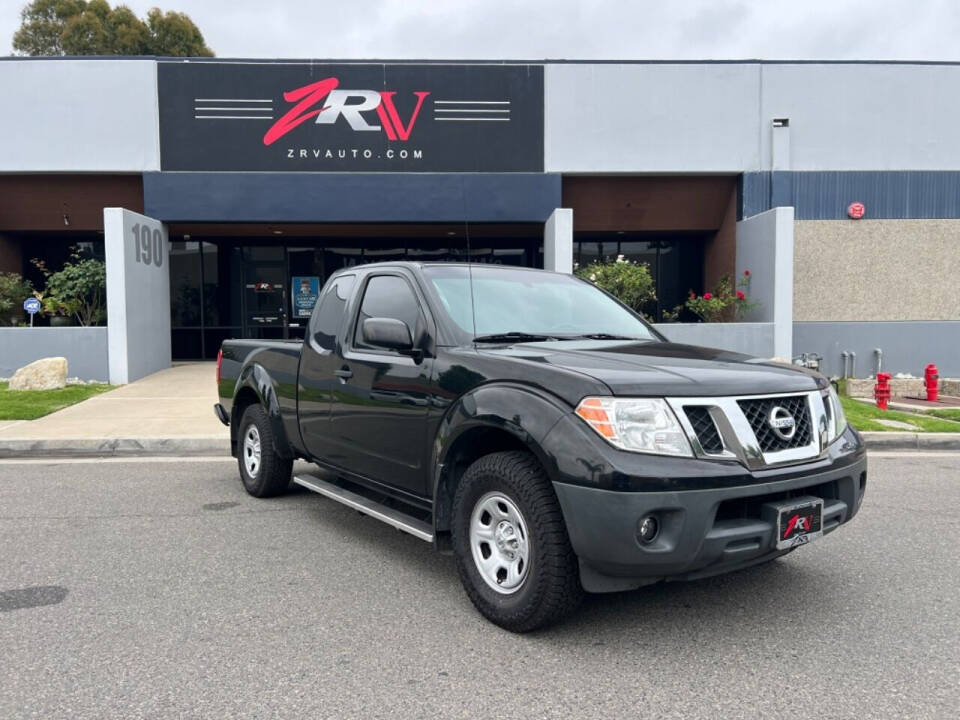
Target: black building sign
x: 222, y: 116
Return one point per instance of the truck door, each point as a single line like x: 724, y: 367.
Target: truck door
x: 319, y: 359
x: 379, y: 405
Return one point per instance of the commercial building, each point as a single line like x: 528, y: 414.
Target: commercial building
x: 836, y: 184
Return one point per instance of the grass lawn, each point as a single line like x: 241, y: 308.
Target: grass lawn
x: 31, y: 404
x: 863, y: 417
x: 946, y: 414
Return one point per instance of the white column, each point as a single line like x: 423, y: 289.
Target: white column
x: 765, y: 248
x: 558, y: 241
x: 783, y: 284
x: 138, y: 295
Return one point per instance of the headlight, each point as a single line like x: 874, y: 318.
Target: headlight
x: 639, y: 424
x: 836, y: 420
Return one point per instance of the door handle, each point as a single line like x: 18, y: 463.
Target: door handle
x: 344, y: 373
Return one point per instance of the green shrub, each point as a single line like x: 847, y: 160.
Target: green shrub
x: 14, y: 289
x: 630, y: 282
x: 80, y: 287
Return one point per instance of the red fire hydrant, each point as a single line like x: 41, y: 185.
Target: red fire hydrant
x: 881, y: 391
x: 930, y: 382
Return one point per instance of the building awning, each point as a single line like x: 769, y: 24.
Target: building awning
x: 350, y: 197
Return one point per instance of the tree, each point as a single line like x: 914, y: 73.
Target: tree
x: 78, y: 27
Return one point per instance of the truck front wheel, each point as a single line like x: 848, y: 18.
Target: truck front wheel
x: 511, y: 545
x: 264, y: 473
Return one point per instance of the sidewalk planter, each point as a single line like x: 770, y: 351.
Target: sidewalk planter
x: 749, y: 338
x: 85, y: 349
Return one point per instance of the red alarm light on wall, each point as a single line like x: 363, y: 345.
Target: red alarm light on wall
x: 856, y: 210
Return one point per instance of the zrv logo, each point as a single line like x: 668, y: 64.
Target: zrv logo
x: 304, y: 116
x: 800, y: 524
x: 327, y: 104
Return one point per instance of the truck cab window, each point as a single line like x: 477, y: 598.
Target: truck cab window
x: 328, y: 317
x: 388, y: 296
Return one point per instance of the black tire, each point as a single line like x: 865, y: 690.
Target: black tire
x: 551, y: 588
x: 271, y: 475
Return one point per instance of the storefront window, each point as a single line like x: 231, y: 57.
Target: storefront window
x: 227, y: 287
x: 676, y: 263
x: 185, y: 284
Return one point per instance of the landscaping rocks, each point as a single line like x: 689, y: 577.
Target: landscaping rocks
x: 900, y: 387
x: 43, y: 374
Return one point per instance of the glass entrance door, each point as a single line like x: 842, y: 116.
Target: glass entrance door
x: 264, y: 293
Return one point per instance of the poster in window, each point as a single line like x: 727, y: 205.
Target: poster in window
x: 306, y: 290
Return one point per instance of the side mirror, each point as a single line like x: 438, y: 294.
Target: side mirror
x: 387, y: 333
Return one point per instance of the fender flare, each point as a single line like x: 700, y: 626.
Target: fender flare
x: 524, y: 412
x: 255, y: 377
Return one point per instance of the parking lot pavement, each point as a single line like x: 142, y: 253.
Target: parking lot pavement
x: 160, y: 589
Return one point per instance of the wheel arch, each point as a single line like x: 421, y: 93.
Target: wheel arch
x: 490, y: 419
x: 256, y: 387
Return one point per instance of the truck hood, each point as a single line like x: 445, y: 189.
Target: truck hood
x: 665, y: 369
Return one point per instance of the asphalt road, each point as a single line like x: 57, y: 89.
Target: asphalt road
x: 160, y: 589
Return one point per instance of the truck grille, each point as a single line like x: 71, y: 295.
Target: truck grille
x: 757, y: 412
x: 704, y: 428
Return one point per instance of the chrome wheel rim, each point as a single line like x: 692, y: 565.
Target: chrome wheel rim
x: 251, y: 451
x: 499, y: 543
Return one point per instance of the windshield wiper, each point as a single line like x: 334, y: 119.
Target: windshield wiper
x: 514, y: 337
x: 603, y: 336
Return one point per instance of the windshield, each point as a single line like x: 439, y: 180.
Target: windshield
x: 508, y: 301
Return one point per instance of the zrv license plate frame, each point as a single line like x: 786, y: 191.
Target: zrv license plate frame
x: 799, y: 522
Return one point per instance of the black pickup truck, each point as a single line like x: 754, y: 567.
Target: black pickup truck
x: 540, y: 431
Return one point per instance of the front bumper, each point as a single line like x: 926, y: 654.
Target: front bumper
x: 703, y: 530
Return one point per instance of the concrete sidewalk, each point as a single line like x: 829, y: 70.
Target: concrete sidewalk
x: 169, y: 412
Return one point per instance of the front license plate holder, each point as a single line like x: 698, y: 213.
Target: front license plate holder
x: 797, y: 521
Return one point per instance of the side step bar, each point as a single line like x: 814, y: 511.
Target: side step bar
x: 389, y: 515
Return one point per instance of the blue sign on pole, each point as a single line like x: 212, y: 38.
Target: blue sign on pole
x: 32, y: 306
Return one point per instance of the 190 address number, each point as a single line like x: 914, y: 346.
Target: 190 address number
x: 147, y: 245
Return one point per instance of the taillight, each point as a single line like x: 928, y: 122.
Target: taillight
x: 219, y: 364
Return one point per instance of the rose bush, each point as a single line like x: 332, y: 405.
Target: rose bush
x: 724, y: 303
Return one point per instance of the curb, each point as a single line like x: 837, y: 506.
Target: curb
x: 911, y: 441
x: 212, y: 446
x: 92, y: 447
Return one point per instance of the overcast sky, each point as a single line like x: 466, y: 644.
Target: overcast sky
x: 589, y: 29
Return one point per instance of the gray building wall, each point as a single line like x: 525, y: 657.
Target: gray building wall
x: 718, y: 117
x: 907, y: 346
x: 100, y: 115
x: 85, y: 349
x: 79, y: 116
x: 756, y: 339
x: 640, y: 117
x: 862, y: 116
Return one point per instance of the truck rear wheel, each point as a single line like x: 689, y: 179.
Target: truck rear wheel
x: 511, y: 545
x: 263, y: 472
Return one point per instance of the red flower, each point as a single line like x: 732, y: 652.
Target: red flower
x: 693, y: 296
x: 707, y: 296
x: 746, y: 273
x: 740, y: 295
